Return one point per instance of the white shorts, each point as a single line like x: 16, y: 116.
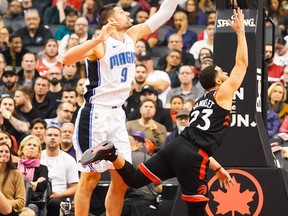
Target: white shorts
x: 95, y: 124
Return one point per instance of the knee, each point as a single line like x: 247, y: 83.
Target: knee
x: 89, y: 181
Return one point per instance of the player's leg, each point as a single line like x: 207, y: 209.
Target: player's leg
x: 115, y: 195
x: 196, y: 208
x: 88, y: 182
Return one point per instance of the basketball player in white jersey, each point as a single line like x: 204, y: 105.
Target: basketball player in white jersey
x: 110, y: 64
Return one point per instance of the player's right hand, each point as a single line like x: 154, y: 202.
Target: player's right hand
x: 107, y: 30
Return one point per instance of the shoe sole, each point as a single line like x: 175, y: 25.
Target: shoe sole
x: 96, y: 154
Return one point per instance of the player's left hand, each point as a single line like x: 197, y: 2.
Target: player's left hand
x: 224, y: 178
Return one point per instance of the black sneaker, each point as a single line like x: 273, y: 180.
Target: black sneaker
x: 100, y: 152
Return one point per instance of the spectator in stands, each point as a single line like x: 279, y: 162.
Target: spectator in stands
x: 285, y: 81
x: 206, y: 5
x: 3, y: 7
x: 67, y: 130
x: 211, y: 17
x: 81, y: 28
x: 9, y: 140
x: 56, y: 15
x: 182, y: 121
x: 41, y: 5
x: 162, y: 115
x: 38, y: 128
x: 276, y: 98
x: 33, y: 34
x: 23, y: 102
x: 152, y: 129
x: 141, y: 17
x: 14, y: 123
x: 41, y: 101
x: 181, y: 27
x: 206, y: 61
x: 188, y: 104
x: 90, y: 9
x: 273, y: 123
x: 186, y: 89
x: 55, y: 77
x: 62, y: 170
x: 195, y: 15
x: 9, y: 79
x: 34, y: 172
x: 12, y: 194
x: 5, y: 33
x: 275, y: 72
x: 130, y: 6
x: 64, y: 113
x: 173, y: 63
x: 281, y: 52
x: 2, y: 66
x: 141, y: 201
x: 50, y: 57
x: 76, y: 4
x: 142, y: 46
x: 68, y: 28
x: 156, y: 78
x: 14, y: 18
x: 207, y: 43
x: 177, y: 104
x: 277, y: 13
x: 80, y: 91
x: 73, y: 40
x: 133, y: 100
x: 28, y: 72
x: 69, y: 94
x: 26, y: 4
x: 175, y: 42
x: 69, y: 79
x: 14, y: 54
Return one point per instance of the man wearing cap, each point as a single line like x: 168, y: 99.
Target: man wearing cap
x: 139, y: 137
x: 162, y: 115
x: 182, y: 121
x: 9, y: 79
x: 156, y: 78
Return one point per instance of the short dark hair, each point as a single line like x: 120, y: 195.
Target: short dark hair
x: 207, y: 77
x: 105, y: 12
x: 37, y: 120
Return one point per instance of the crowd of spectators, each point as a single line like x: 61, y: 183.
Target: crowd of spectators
x: 40, y: 96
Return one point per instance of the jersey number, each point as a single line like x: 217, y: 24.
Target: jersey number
x: 206, y: 113
x: 124, y: 75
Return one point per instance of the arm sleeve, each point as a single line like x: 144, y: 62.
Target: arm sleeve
x: 164, y: 13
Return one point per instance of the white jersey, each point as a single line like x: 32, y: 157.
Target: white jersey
x: 109, y: 79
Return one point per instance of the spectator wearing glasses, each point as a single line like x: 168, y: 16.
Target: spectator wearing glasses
x: 186, y: 90
x: 64, y: 113
x: 33, y: 33
x: 14, y: 18
x: 81, y: 28
x: 54, y: 76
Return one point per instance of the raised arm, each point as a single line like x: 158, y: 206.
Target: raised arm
x: 92, y: 49
x: 228, y: 88
x: 164, y: 13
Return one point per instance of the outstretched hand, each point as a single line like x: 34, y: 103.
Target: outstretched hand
x: 224, y: 178
x: 238, y: 23
x: 108, y: 29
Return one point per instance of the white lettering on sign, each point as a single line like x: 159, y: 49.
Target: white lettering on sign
x: 224, y: 23
x: 259, y: 91
x: 239, y: 120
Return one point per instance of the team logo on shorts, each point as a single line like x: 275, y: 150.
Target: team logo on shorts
x: 244, y: 198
